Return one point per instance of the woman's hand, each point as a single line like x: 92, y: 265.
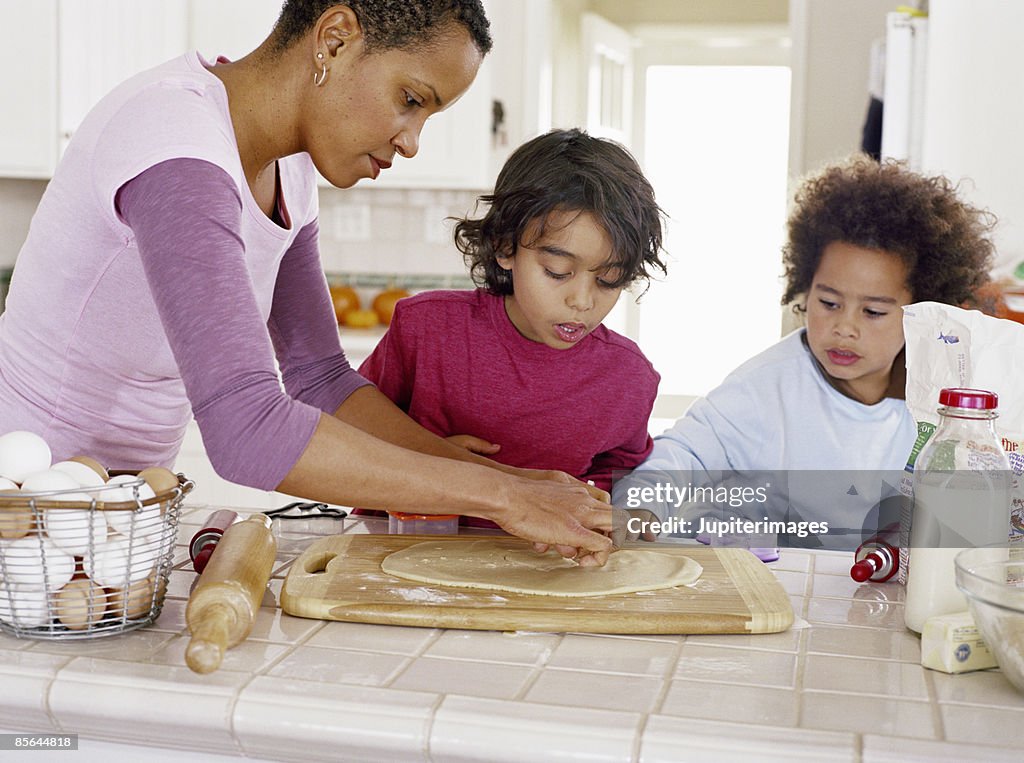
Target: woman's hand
x: 474, y: 444
x: 557, y: 476
x: 562, y: 512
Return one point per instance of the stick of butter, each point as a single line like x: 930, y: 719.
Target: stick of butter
x: 952, y: 644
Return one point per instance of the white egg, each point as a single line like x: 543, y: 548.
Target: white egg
x: 145, y: 520
x: 49, y: 480
x: 23, y: 606
x: 22, y: 453
x: 23, y: 561
x: 6, y: 484
x: 72, y: 530
x: 118, y: 563
x: 79, y: 472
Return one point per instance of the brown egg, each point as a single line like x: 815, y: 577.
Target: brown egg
x: 80, y: 603
x: 93, y: 464
x: 15, y: 518
x: 161, y: 480
x: 139, y: 598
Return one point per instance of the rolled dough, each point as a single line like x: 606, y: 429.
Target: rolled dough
x: 503, y: 565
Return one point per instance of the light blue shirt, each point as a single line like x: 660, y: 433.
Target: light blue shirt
x: 778, y: 414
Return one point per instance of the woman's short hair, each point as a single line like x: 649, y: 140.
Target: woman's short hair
x: 389, y: 24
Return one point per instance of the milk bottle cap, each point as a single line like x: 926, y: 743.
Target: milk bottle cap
x: 960, y: 397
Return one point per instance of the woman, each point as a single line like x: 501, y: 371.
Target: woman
x: 173, y: 259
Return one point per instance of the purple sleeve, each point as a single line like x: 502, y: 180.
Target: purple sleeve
x: 186, y: 217
x: 305, y: 332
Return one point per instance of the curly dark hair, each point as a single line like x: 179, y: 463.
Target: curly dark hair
x: 388, y: 24
x: 570, y: 171
x: 942, y: 240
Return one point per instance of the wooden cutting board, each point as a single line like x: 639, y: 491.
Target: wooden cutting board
x: 339, y: 578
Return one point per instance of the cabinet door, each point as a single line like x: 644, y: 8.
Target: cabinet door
x: 101, y: 43
x: 62, y: 56
x: 608, y: 52
x: 28, y: 140
x: 231, y: 28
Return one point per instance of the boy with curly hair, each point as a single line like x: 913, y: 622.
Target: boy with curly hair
x: 522, y: 369
x: 864, y: 240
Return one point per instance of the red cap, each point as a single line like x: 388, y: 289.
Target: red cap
x: 862, y: 570
x: 199, y: 563
x: 958, y: 397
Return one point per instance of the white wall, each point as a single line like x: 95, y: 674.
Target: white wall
x: 974, y: 109
x: 831, y: 53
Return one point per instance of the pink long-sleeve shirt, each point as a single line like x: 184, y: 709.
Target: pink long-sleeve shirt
x: 152, y: 287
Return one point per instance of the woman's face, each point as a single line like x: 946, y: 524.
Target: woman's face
x: 372, y: 107
x: 854, y: 320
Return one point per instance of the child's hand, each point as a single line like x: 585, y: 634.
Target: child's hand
x: 621, y: 524
x: 474, y: 444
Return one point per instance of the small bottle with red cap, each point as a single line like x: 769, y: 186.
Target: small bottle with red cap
x: 961, y: 500
x: 876, y: 560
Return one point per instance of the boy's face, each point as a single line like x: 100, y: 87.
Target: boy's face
x: 560, y: 280
x: 854, y: 320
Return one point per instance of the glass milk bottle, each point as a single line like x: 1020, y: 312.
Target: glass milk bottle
x: 961, y: 500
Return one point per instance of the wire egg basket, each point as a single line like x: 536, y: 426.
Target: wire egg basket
x: 86, y: 563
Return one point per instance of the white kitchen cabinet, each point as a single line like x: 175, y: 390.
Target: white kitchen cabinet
x: 62, y: 56
x: 230, y: 28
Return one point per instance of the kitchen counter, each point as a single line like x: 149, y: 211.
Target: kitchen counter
x: 844, y: 683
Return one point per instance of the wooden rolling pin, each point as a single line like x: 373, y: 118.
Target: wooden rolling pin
x: 223, y: 605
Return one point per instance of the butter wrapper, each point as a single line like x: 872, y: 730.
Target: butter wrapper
x: 952, y: 644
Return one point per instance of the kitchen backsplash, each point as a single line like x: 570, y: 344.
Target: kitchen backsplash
x: 369, y: 238
x: 396, y: 233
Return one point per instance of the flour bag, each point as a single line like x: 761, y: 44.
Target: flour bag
x: 951, y: 347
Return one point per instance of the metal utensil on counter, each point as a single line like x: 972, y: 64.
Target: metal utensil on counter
x: 306, y: 510
x: 296, y: 524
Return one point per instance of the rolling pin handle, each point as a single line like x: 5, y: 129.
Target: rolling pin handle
x: 210, y: 639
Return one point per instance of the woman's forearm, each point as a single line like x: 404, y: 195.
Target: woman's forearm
x: 345, y: 465
x: 373, y: 412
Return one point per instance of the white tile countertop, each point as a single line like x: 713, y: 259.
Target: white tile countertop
x: 844, y: 684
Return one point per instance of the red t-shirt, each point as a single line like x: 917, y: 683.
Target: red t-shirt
x: 455, y: 363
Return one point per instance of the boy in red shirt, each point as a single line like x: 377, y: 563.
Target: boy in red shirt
x: 523, y: 363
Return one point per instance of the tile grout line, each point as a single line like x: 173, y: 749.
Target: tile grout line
x: 936, y: 708
x: 261, y: 672
x: 538, y: 668
x: 659, y: 702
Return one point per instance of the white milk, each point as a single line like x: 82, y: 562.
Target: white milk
x: 950, y: 508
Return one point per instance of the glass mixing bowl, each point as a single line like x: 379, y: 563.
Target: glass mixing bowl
x: 992, y: 579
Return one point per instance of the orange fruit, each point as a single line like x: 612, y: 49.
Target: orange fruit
x: 384, y: 303
x: 344, y: 299
x: 360, y: 319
